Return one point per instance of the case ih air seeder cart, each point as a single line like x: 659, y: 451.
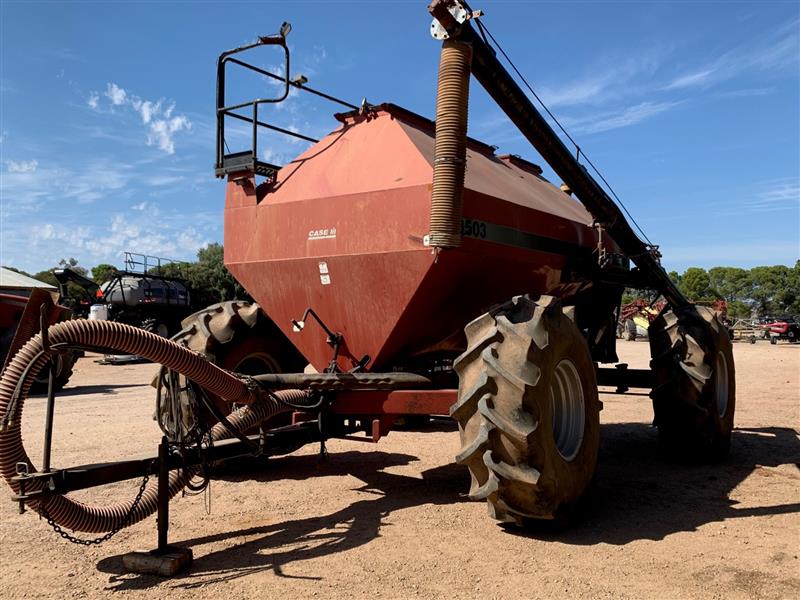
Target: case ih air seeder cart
x: 418, y: 273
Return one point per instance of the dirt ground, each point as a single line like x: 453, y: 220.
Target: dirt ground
x: 392, y: 521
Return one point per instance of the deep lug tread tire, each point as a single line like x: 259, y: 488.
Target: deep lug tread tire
x: 504, y: 411
x: 214, y: 331
x: 686, y: 345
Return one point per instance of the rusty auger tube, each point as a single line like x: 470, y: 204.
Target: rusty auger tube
x: 74, y: 515
x: 450, y: 154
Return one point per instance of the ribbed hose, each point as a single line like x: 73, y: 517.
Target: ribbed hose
x: 450, y: 154
x: 74, y: 515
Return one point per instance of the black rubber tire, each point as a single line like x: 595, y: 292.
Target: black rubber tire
x: 773, y: 340
x: 154, y: 326
x: 630, y: 336
x: 688, y: 348
x: 505, y: 413
x: 64, y: 365
x: 236, y: 335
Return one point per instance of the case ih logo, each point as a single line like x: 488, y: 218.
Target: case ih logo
x: 322, y: 234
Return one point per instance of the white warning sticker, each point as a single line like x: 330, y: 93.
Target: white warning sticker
x: 325, y: 279
x: 323, y: 267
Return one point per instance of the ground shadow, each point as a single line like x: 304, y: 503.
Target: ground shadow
x: 80, y: 390
x: 638, y: 495
x: 272, y: 546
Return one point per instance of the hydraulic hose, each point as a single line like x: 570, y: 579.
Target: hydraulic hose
x: 450, y: 149
x: 77, y: 516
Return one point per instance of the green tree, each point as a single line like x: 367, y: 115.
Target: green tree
x: 210, y: 280
x: 696, y: 284
x: 732, y: 283
x: 769, y: 286
x: 103, y: 272
x: 46, y: 277
x: 73, y: 289
x: 72, y: 263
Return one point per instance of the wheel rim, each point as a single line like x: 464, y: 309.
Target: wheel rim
x: 162, y: 330
x: 567, y: 401
x: 722, y: 384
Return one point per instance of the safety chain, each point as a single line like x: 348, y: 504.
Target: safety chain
x: 104, y: 538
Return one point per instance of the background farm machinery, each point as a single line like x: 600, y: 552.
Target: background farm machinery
x: 147, y: 293
x: 401, y: 268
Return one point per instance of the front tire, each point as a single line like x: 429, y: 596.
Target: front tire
x: 237, y: 336
x: 694, y: 398
x: 527, y: 410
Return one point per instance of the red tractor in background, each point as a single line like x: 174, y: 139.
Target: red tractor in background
x: 785, y: 328
x: 403, y: 268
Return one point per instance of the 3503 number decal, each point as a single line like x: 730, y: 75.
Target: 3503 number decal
x: 473, y: 228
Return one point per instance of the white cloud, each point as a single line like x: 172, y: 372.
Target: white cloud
x: 93, y: 100
x: 162, y: 131
x: 611, y: 79
x: 782, y: 194
x: 147, y: 207
x: 772, y: 51
x: 576, y: 92
x: 162, y: 180
x: 626, y: 117
x: 690, y: 79
x: 747, y: 92
x: 22, y: 166
x: 116, y: 94
x: 134, y: 232
x: 160, y: 122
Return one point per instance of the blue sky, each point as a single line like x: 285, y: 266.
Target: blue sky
x: 690, y: 109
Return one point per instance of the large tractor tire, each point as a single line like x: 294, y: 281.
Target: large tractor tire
x: 153, y: 325
x: 528, y: 411
x: 694, y: 397
x: 238, y: 337
x: 64, y: 364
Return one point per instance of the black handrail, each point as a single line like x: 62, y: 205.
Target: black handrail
x: 228, y: 111
x: 222, y: 110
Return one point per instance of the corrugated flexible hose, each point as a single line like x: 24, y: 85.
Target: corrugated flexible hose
x: 450, y: 153
x: 77, y: 516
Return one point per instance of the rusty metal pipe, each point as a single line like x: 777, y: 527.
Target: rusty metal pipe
x: 74, y: 515
x: 450, y: 154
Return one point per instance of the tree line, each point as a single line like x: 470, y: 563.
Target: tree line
x: 208, y: 279
x: 758, y: 291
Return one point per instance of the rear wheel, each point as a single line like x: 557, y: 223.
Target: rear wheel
x: 155, y: 326
x: 64, y: 364
x: 238, y: 337
x: 694, y: 398
x: 527, y: 410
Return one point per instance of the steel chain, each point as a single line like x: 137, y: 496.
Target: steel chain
x: 104, y: 538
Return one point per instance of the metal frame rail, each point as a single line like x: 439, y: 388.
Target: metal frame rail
x: 248, y: 159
